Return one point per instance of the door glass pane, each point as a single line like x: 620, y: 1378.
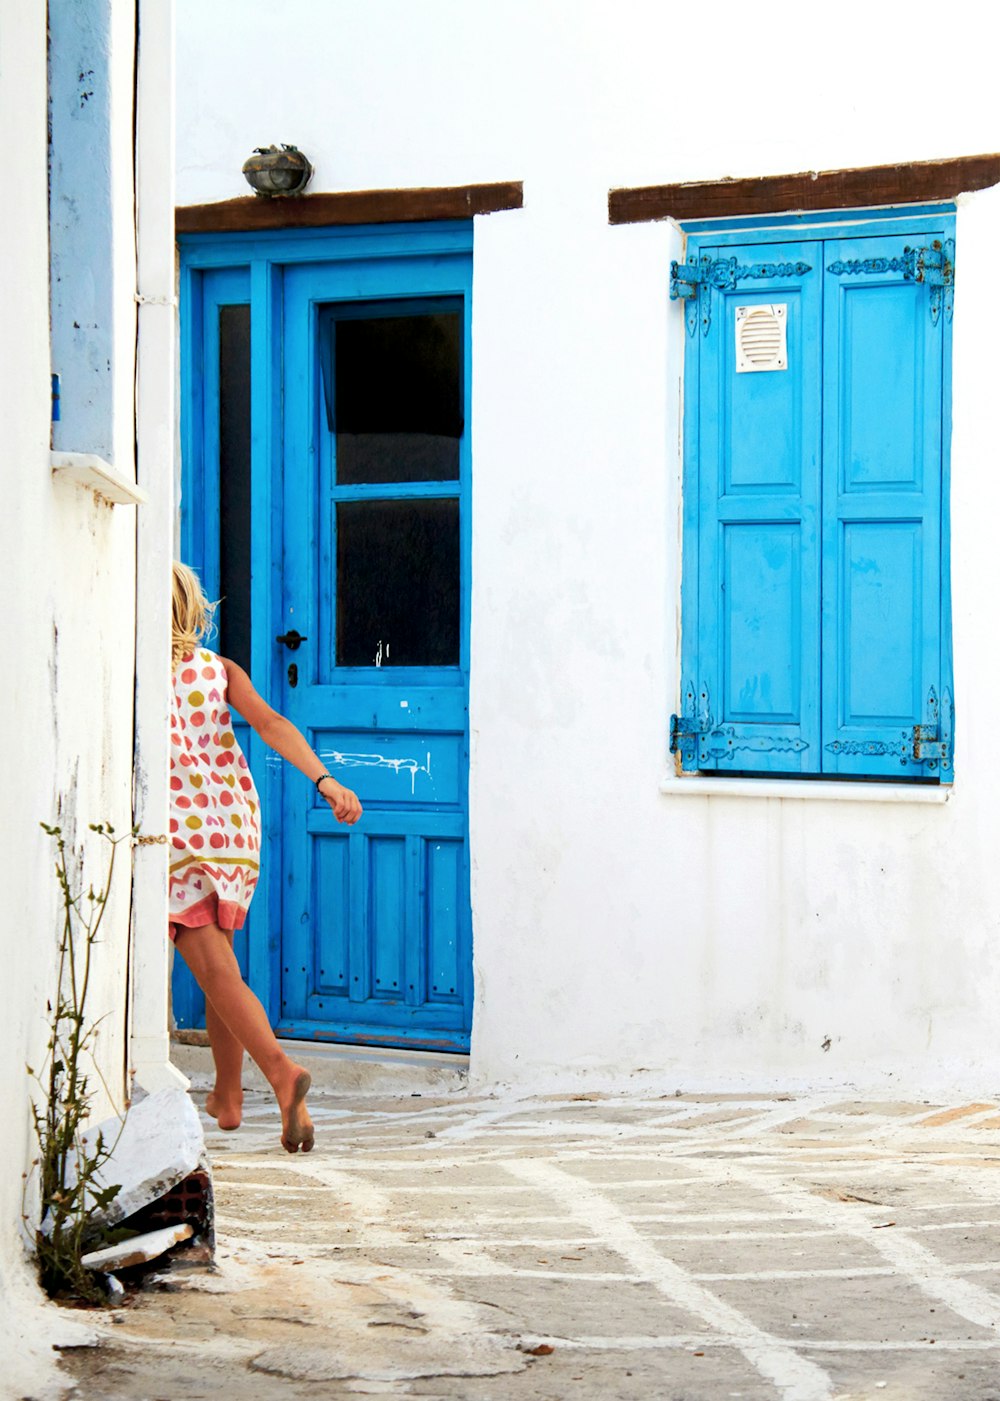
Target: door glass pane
x: 233, y: 616
x: 397, y: 583
x: 393, y: 391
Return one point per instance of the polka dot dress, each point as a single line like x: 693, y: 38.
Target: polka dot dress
x: 214, y: 807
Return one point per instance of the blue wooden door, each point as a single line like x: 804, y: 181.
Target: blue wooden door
x: 815, y: 589
x: 374, y: 495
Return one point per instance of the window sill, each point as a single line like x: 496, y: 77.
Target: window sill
x: 88, y: 470
x: 696, y: 786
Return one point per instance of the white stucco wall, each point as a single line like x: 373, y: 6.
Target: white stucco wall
x: 68, y: 600
x: 618, y: 930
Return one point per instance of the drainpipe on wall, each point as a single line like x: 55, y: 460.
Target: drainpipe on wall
x: 149, y: 1049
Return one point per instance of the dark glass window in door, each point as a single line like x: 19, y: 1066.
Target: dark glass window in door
x: 393, y: 394
x: 398, y: 571
x: 233, y: 617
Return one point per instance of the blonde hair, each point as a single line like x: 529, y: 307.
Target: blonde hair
x: 192, y: 613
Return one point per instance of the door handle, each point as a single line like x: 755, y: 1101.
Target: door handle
x: 292, y: 639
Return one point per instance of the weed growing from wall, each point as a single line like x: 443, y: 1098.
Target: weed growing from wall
x: 73, y: 1201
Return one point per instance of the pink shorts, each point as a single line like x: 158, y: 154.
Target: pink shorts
x: 211, y: 910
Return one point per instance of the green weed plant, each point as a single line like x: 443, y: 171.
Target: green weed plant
x: 74, y: 1198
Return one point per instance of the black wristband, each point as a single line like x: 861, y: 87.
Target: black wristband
x: 321, y: 778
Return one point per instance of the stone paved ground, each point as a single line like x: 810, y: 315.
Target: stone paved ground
x: 692, y: 1248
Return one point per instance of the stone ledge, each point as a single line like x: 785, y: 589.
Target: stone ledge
x: 88, y: 470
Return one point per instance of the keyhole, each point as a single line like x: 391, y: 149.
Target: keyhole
x: 293, y: 675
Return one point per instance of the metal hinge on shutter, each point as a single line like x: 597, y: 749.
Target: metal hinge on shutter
x: 933, y: 265
x: 692, y: 281
x: 687, y: 728
x: 701, y: 743
x: 931, y: 745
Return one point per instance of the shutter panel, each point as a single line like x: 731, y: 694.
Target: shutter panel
x: 751, y: 568
x: 882, y: 488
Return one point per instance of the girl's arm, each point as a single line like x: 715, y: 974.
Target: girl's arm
x: 282, y: 736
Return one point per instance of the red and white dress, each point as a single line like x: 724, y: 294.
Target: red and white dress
x: 214, y: 807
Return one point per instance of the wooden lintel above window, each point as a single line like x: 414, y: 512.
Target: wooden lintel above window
x: 252, y: 213
x: 918, y: 182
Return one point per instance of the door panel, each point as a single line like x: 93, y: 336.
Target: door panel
x: 762, y: 622
x: 216, y: 508
x: 757, y: 668
x: 882, y: 408
x: 883, y: 474
x: 431, y: 765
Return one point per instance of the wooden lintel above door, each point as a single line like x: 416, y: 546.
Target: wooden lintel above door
x: 915, y: 182
x: 251, y: 213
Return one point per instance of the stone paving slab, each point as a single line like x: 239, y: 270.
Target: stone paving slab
x: 684, y: 1248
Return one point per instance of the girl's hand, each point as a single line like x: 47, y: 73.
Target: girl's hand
x: 344, y: 803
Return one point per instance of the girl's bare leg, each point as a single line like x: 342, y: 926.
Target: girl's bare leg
x: 209, y: 955
x: 225, y: 1103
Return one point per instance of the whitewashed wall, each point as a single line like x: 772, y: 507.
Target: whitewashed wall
x: 620, y: 932
x: 68, y: 588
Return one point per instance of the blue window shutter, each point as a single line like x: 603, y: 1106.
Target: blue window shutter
x: 751, y: 593
x: 885, y: 658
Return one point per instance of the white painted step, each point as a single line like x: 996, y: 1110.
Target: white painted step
x: 342, y: 1070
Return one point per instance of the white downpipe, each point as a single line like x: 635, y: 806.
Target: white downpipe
x: 149, y: 1050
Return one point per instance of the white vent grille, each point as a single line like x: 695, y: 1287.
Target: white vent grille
x: 760, y: 337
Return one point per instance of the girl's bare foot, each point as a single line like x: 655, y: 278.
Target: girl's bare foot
x: 227, y: 1110
x: 296, y: 1125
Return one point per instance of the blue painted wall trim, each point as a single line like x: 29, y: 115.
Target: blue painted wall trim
x: 81, y: 225
x: 318, y: 245
x: 806, y: 223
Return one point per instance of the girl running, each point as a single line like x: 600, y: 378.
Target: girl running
x: 215, y: 855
